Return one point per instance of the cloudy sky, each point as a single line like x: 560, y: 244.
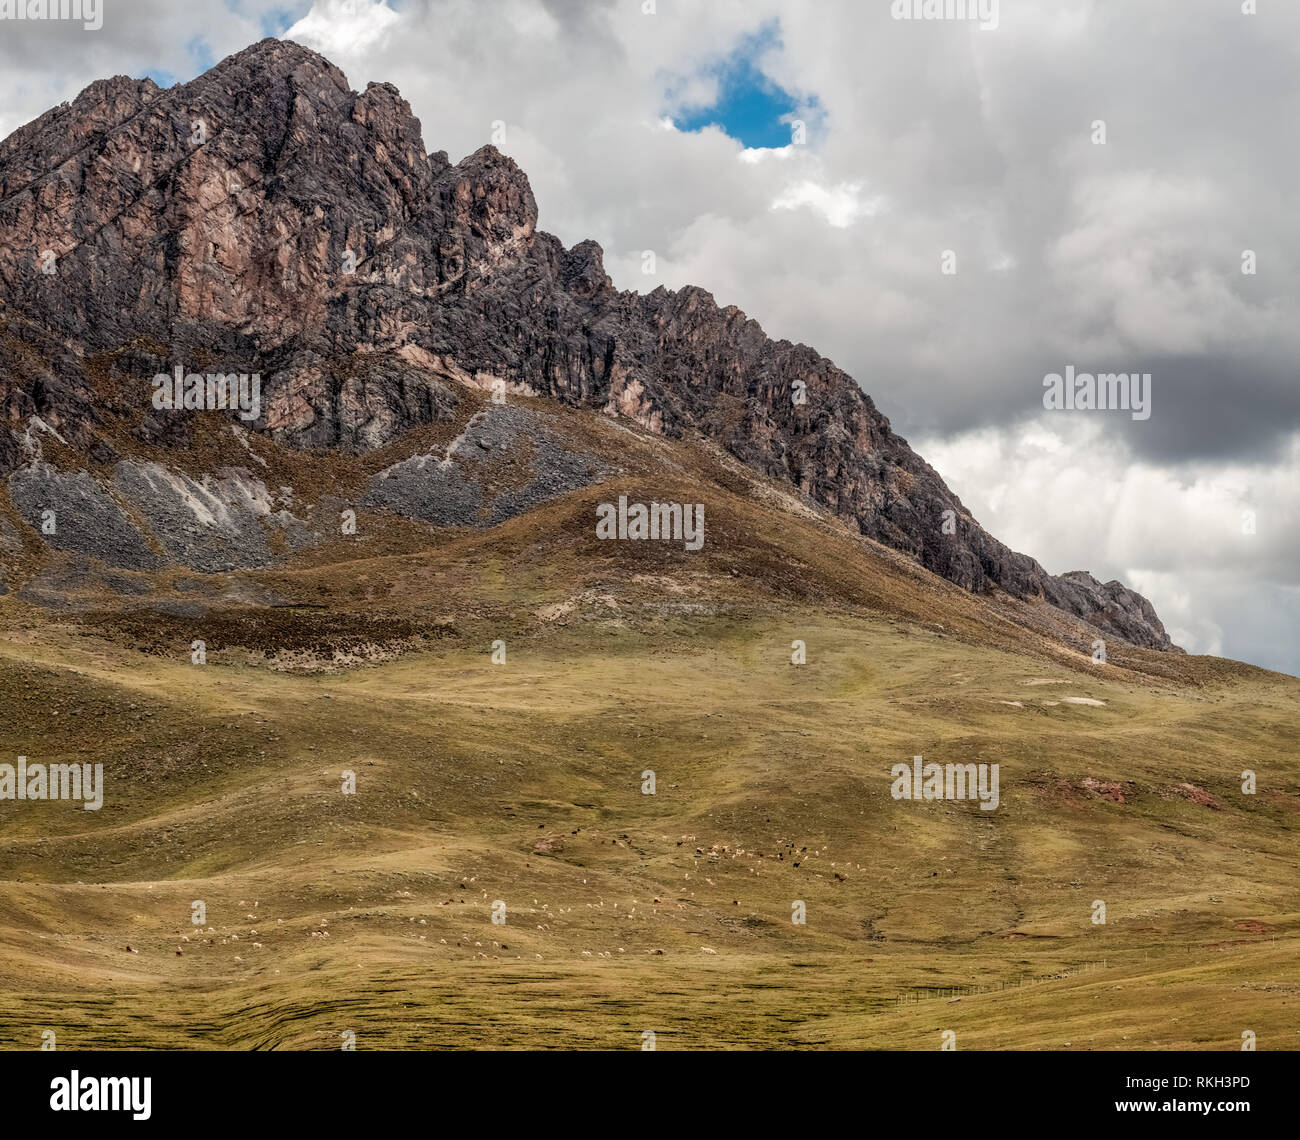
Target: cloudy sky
x: 669, y: 125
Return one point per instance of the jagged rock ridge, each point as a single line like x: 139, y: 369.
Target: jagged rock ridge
x: 267, y: 218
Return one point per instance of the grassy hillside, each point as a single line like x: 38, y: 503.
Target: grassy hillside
x: 626, y: 912
x: 522, y: 783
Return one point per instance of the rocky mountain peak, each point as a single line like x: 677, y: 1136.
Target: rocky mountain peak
x: 265, y: 218
x: 491, y: 196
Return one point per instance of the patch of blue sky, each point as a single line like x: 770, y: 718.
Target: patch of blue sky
x: 277, y: 21
x: 750, y: 107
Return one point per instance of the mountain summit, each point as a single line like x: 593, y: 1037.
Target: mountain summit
x: 265, y: 220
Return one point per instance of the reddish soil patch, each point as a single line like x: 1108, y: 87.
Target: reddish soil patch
x: 1253, y: 926
x: 1105, y: 789
x: 1193, y: 794
x: 1284, y: 799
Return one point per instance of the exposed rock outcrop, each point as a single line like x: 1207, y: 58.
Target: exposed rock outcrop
x: 266, y: 218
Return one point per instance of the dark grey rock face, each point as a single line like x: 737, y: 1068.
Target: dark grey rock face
x: 86, y: 520
x: 427, y: 488
x: 1111, y: 606
x: 265, y: 218
x: 505, y: 463
x: 213, y: 525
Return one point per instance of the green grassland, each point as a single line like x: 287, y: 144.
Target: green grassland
x: 669, y: 912
x: 625, y: 912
